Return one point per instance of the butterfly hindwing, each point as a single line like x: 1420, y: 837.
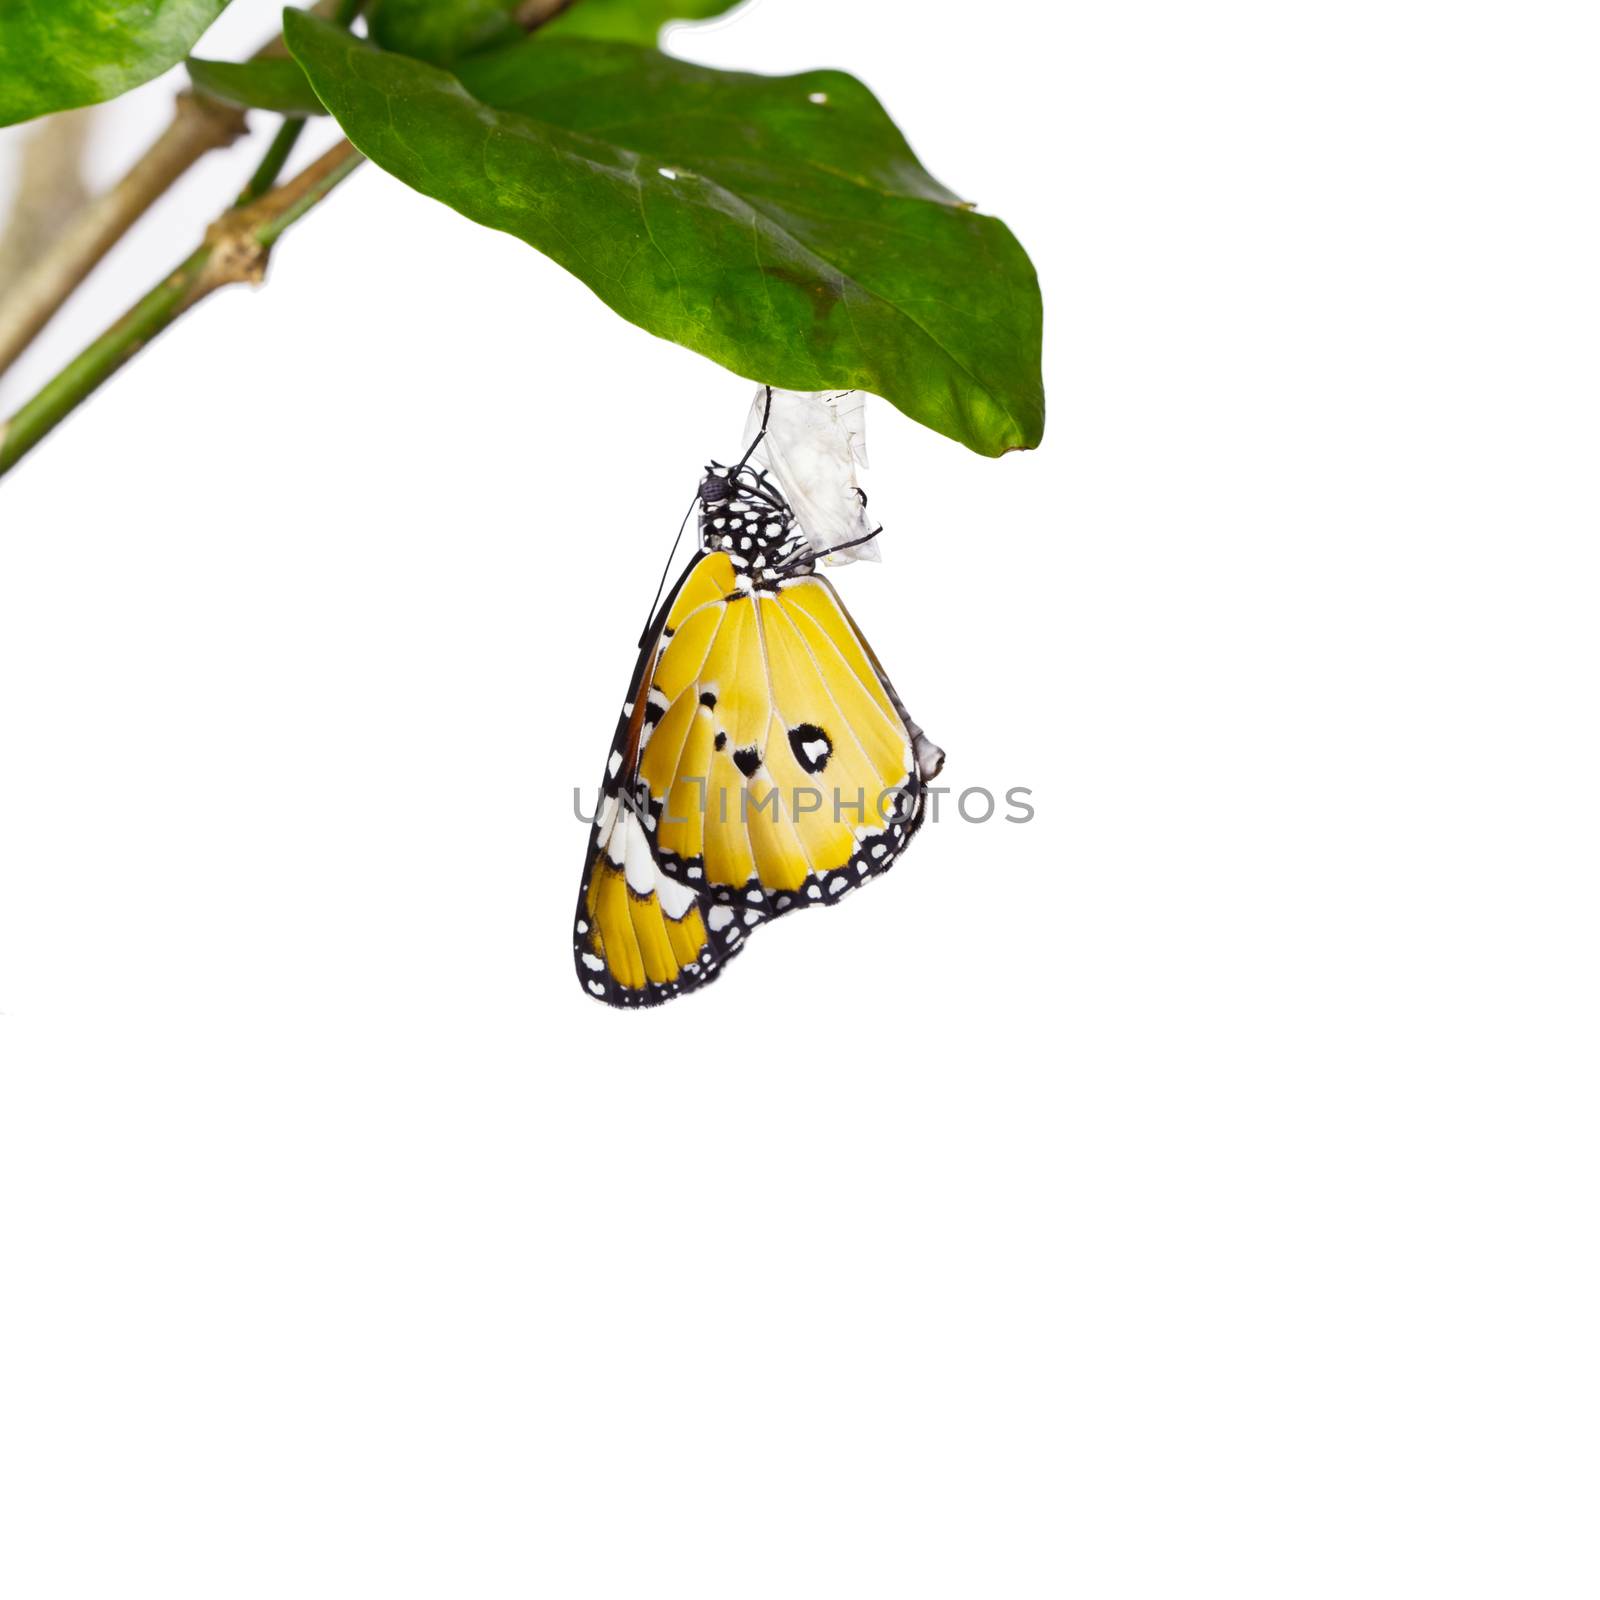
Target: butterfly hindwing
x: 640, y: 938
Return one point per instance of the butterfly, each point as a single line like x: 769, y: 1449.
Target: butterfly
x: 763, y: 761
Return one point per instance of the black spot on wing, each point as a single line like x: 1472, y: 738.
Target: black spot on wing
x: 747, y: 760
x: 804, y: 740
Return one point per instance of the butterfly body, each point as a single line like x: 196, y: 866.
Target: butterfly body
x: 762, y: 762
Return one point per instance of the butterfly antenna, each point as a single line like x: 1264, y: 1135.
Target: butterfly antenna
x: 761, y: 433
x: 651, y: 615
x: 733, y: 473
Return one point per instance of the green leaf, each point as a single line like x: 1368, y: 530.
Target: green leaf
x: 60, y: 53
x: 781, y: 226
x: 269, y: 83
x: 631, y: 21
x: 441, y: 30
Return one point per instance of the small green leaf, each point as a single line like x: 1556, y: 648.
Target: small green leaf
x: 269, y: 83
x: 63, y: 53
x: 781, y: 226
x: 441, y: 30
x: 631, y: 21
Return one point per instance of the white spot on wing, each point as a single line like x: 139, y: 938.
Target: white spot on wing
x: 640, y: 866
x: 675, y: 898
x: 614, y: 831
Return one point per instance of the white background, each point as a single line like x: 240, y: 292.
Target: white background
x: 1190, y: 1193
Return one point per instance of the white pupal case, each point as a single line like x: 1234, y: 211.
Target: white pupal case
x: 814, y: 443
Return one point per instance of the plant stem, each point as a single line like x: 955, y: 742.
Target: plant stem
x: 273, y: 216
x: 50, y: 191
x: 198, y: 125
x: 265, y: 175
x: 342, y: 13
x: 235, y: 250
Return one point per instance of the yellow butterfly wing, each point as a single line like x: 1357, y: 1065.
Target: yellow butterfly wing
x: 763, y: 763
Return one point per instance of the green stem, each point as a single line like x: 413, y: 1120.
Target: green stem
x: 235, y: 251
x: 344, y: 12
x: 294, y: 199
x: 266, y: 174
x: 198, y: 126
x: 91, y: 367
